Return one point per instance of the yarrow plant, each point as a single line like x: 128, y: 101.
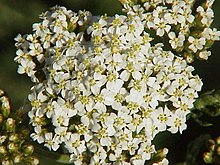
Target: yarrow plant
x: 104, y: 86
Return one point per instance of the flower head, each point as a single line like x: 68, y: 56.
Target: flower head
x: 106, y: 90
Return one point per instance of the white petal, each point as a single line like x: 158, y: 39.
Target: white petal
x: 124, y: 75
x: 136, y: 75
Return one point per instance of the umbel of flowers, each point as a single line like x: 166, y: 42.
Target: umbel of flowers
x: 105, y: 86
x: 14, y: 144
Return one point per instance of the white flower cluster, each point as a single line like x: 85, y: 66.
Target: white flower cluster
x: 103, y: 90
x: 188, y: 31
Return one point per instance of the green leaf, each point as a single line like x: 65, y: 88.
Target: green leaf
x: 207, y: 106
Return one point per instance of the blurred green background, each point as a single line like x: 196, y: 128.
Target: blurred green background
x: 17, y: 16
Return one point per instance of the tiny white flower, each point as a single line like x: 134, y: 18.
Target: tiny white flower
x: 161, y: 26
x: 60, y: 117
x: 38, y: 135
x: 62, y: 134
x: 75, y: 145
x: 146, y: 150
x: 26, y: 67
x: 176, y: 41
x: 196, y: 83
x: 160, y: 117
x: 207, y: 15
x: 204, y: 55
x: 51, y: 142
x: 211, y: 34
x: 175, y: 15
x: 196, y: 43
x: 176, y: 123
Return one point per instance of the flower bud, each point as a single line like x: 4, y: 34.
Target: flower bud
x: 189, y: 57
x: 217, y: 140
x: 207, y: 157
x: 211, y: 145
x: 3, y: 150
x: 5, y: 106
x: 32, y: 160
x: 209, y: 43
x: 14, y: 137
x: 7, y: 161
x: 40, y: 120
x: 28, y: 149
x: 1, y: 92
x: 72, y: 26
x: 162, y: 153
x: 12, y: 147
x: 179, y: 49
x: 10, y: 125
x: 18, y: 159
